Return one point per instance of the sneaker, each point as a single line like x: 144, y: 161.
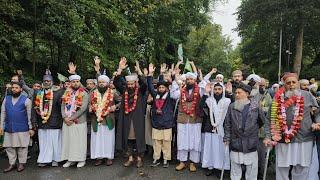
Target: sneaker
x: 42, y: 165
x: 81, y: 164
x: 165, y: 164
x: 54, y: 164
x: 68, y: 164
x: 155, y: 163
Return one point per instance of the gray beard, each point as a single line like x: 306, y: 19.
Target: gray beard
x: 239, y: 104
x: 290, y: 93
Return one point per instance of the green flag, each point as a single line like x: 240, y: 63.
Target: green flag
x: 180, y: 52
x: 188, y: 66
x: 62, y: 78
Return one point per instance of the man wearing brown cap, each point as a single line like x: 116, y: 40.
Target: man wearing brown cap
x: 290, y: 129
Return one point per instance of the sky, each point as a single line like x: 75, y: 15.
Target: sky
x: 223, y: 15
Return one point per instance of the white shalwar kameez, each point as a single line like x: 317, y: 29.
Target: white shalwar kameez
x: 102, y: 143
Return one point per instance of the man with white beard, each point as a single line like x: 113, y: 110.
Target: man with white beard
x: 290, y: 129
x: 241, y: 126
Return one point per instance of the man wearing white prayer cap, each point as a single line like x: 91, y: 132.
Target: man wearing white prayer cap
x: 219, y: 78
x: 131, y: 122
x: 188, y: 122
x: 102, y: 105
x: 74, y: 129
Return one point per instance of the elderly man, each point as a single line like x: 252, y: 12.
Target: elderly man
x: 290, y: 128
x: 46, y: 116
x: 102, y: 105
x: 74, y: 130
x: 189, y: 122
x: 241, y: 128
x: 16, y: 122
x: 131, y: 124
x: 304, y: 84
x: 91, y: 84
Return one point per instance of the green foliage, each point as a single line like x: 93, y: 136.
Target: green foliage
x: 54, y: 32
x: 259, y: 26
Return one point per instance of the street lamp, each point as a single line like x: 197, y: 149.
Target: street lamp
x: 289, y: 53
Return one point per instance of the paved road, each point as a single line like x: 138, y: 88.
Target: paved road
x: 116, y: 171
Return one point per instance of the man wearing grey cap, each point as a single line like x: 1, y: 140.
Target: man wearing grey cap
x: 46, y: 117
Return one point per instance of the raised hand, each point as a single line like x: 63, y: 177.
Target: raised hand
x: 97, y: 64
x: 137, y: 68
x: 152, y: 68
x: 123, y: 63
x: 19, y: 72
x: 163, y: 68
x: 208, y: 88
x: 214, y: 70
x: 72, y: 68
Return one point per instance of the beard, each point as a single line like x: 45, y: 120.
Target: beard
x: 16, y: 94
x: 239, y: 104
x: 217, y: 97
x: 190, y: 86
x: 75, y: 88
x: 161, y: 94
x: 290, y: 93
x: 102, y: 89
x: 131, y: 90
x: 262, y: 90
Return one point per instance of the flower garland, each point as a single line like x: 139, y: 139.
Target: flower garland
x: 190, y: 112
x: 43, y: 104
x: 128, y: 109
x: 67, y: 98
x: 279, y: 125
x: 101, y: 106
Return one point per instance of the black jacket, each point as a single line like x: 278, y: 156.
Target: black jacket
x: 55, y: 121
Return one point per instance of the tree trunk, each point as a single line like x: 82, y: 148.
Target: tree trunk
x: 299, y: 46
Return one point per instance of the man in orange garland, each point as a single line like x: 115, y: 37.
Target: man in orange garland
x: 189, y: 122
x: 131, y: 123
x: 102, y: 126
x: 74, y: 130
x: 46, y: 117
x: 290, y: 129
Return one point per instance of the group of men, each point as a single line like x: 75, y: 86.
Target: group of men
x: 223, y: 126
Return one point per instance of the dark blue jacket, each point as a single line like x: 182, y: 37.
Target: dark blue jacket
x: 16, y: 115
x: 166, y: 120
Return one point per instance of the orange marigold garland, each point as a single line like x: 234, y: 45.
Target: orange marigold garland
x: 192, y: 111
x: 67, y: 98
x: 279, y: 126
x: 43, y: 104
x: 101, y: 106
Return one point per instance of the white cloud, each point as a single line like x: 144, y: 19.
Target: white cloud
x: 223, y: 14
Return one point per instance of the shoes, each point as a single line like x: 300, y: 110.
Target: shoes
x: 42, y: 165
x: 54, y: 164
x: 81, y: 164
x: 128, y: 163
x: 155, y: 163
x: 68, y: 164
x: 181, y: 166
x: 139, y: 163
x: 20, y: 168
x: 109, y: 162
x: 98, y: 162
x: 10, y: 168
x: 209, y: 172
x: 192, y: 167
x: 165, y: 164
